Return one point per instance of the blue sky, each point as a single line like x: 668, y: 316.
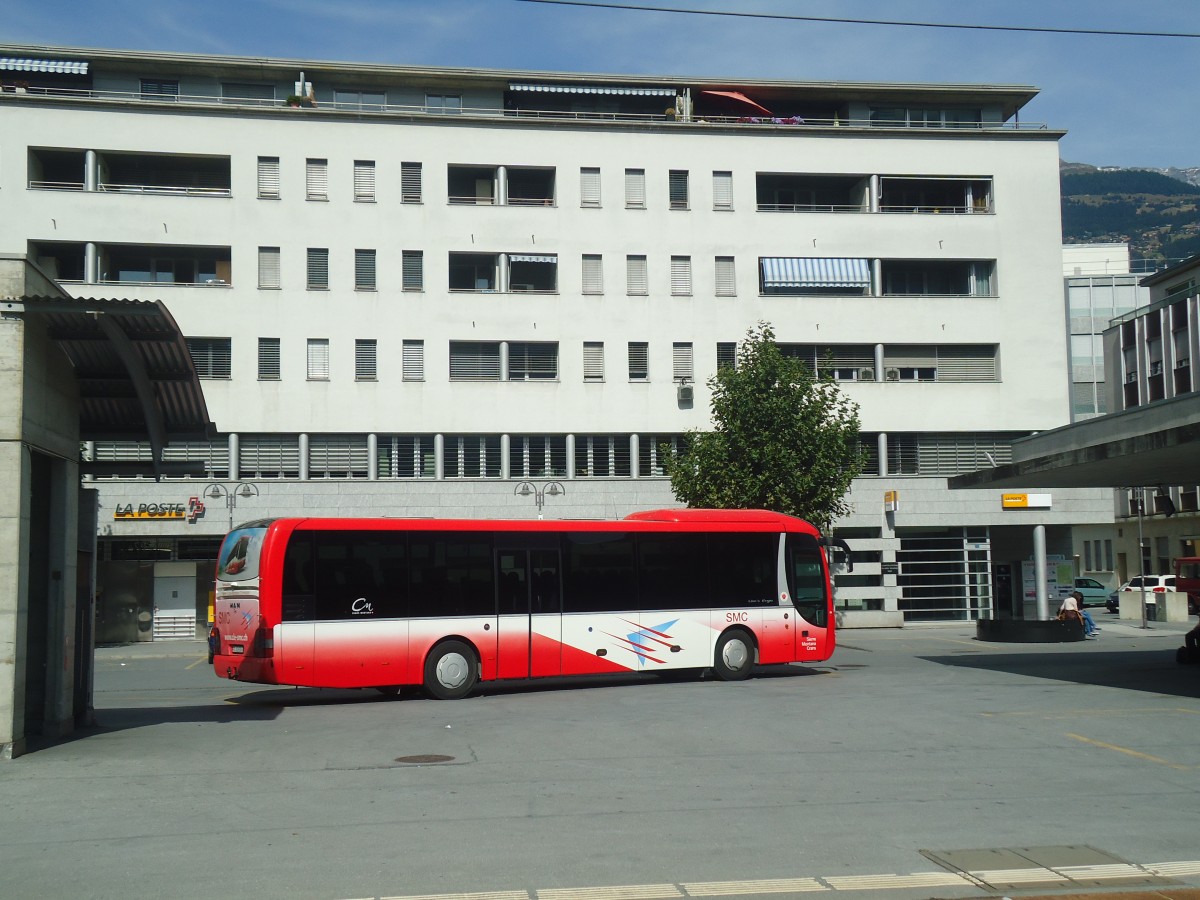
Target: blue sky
x: 1125, y: 101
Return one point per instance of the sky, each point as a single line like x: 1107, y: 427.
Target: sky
x: 1124, y: 101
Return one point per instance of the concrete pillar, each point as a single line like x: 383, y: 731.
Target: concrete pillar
x: 304, y: 457
x: 570, y: 456
x: 439, y: 463
x: 882, y: 450
x: 502, y: 273
x: 501, y: 186
x: 877, y: 278
x: 503, y: 359
x: 91, y: 171
x: 91, y: 263
x: 633, y: 455
x: 505, y: 446
x: 874, y: 199
x: 1039, y: 571
x: 234, y: 468
x: 372, y: 457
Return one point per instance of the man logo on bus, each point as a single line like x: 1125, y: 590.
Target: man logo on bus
x: 362, y: 607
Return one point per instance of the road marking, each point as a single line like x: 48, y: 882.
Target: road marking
x: 196, y: 663
x: 765, y: 886
x: 1075, y: 714
x: 829, y: 883
x: 1134, y: 753
x: 976, y: 645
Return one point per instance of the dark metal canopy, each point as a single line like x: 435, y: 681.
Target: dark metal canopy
x: 1157, y: 444
x: 135, y: 375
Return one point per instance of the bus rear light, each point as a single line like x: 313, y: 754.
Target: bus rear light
x: 264, y: 644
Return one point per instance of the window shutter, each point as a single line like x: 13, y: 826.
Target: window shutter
x: 211, y: 357
x: 268, y: 267
x: 316, y: 179
x: 412, y: 361
x: 318, y: 268
x: 678, y: 188
x: 474, y: 361
x: 593, y: 273
x: 639, y: 361
x: 681, y: 361
x: 364, y: 181
x: 681, y: 276
x: 268, y: 456
x: 413, y: 263
x: 268, y: 177
x: 268, y: 359
x: 364, y: 270
x: 365, y: 368
x: 726, y: 279
x: 410, y: 182
x: 318, y: 359
x: 635, y: 188
x: 589, y: 187
x: 726, y: 355
x: 529, y: 361
x: 722, y: 190
x: 637, y: 281
x: 593, y: 360
x: 967, y: 362
x: 337, y: 456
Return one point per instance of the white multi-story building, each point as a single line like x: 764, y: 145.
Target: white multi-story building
x: 409, y: 290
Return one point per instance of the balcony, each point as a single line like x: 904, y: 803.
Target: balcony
x: 130, y: 173
x: 156, y: 264
x: 777, y: 192
x: 952, y: 196
x: 500, y: 186
x: 489, y: 273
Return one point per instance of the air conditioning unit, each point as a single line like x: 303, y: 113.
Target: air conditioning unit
x: 891, y: 374
x: 685, y: 392
x: 866, y: 374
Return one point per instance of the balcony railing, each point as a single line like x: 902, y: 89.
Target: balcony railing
x: 170, y: 190
x: 793, y: 123
x: 812, y: 207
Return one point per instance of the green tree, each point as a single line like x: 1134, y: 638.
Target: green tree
x: 783, y: 438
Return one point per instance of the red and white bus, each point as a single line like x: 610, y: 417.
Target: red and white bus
x: 383, y: 603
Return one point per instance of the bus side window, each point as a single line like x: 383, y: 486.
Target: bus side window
x: 298, y: 599
x: 743, y: 569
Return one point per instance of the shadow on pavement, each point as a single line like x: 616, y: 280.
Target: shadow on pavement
x: 1154, y: 671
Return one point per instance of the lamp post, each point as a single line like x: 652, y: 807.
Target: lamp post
x: 243, y: 489
x: 539, y: 494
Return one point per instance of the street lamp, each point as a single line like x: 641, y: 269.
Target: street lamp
x: 539, y: 494
x: 243, y: 489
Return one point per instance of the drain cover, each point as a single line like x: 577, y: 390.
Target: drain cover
x: 425, y: 758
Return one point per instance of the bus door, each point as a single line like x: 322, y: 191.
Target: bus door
x: 809, y: 587
x: 529, y: 580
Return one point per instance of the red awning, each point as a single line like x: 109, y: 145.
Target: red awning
x: 735, y: 95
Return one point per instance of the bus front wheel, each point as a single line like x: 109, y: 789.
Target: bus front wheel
x: 734, y: 656
x: 451, y: 670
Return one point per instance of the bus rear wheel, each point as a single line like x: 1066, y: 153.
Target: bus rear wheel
x: 734, y: 656
x: 451, y: 670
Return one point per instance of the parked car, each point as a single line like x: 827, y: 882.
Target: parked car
x: 1187, y: 578
x: 1154, y: 584
x: 1094, y: 593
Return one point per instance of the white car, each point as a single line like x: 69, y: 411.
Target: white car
x: 1154, y: 584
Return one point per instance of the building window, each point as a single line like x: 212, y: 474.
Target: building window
x: 593, y: 360
x: 935, y: 195
x: 808, y: 276
x: 682, y: 368
x: 413, y: 270
x: 268, y: 268
x: 681, y: 276
x: 589, y: 187
x: 726, y: 355
x: 677, y: 186
x: 412, y: 361
x: 406, y: 456
x: 247, y: 91
x: 532, y: 361
x: 726, y: 279
x: 374, y: 100
x: 365, y: 367
x: 159, y: 89
x: 937, y: 278
x: 602, y: 456
x: 268, y: 177
x: 653, y: 451
x: 410, y: 182
x: 637, y: 279
x: 443, y: 104
x: 268, y: 456
x: 211, y: 357
x: 318, y: 269
x: 318, y: 359
x: 1087, y: 555
x: 639, y: 361
x: 593, y: 273
x: 268, y: 359
x: 316, y: 179
x: 337, y: 456
x: 364, y: 270
x: 471, y: 456
x: 722, y: 190
x: 474, y: 361
x: 364, y: 181
x: 537, y: 456
x: 635, y: 188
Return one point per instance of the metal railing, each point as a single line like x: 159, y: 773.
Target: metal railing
x: 318, y: 107
x: 170, y: 189
x: 813, y: 207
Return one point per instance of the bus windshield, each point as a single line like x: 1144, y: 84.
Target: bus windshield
x: 238, y: 560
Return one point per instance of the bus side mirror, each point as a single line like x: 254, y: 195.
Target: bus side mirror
x: 842, y: 546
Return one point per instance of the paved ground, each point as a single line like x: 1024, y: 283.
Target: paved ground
x: 916, y: 763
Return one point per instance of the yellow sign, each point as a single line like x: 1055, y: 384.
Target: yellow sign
x: 160, y: 511
x: 1025, y: 501
x: 891, y: 501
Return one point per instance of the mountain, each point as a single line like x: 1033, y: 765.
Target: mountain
x: 1155, y: 211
